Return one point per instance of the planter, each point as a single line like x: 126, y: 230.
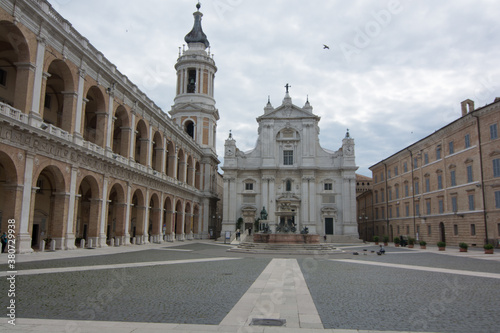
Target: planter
x: 396, y: 245
x: 386, y: 244
x: 410, y: 246
x: 463, y: 250
x: 441, y: 248
x: 489, y: 251
x: 423, y: 247
x: 376, y: 243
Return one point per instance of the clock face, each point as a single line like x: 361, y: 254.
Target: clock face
x: 349, y: 150
x: 229, y: 151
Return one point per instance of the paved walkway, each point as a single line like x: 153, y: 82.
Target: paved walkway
x: 280, y: 292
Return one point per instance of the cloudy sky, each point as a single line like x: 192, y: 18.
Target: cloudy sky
x: 395, y: 71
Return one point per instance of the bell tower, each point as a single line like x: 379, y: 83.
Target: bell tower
x: 194, y: 104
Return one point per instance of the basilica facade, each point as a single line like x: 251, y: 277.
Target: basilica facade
x: 290, y: 178
x: 85, y: 154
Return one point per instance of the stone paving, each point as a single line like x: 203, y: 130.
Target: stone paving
x: 200, y: 287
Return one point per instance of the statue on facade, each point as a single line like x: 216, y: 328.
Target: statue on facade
x: 263, y: 214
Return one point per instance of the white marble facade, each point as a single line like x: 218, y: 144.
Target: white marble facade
x: 298, y: 182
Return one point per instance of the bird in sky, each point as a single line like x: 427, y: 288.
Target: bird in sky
x: 326, y: 47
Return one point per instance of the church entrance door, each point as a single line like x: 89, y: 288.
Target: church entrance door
x: 329, y: 226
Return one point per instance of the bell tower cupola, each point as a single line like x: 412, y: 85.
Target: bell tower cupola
x: 194, y: 104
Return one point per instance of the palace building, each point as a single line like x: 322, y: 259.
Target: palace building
x: 445, y: 187
x: 298, y: 183
x: 85, y: 154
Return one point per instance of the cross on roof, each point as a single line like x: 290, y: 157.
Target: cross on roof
x: 287, y: 86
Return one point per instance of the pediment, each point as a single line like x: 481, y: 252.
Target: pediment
x: 289, y: 112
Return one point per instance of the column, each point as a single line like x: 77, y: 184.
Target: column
x: 146, y: 218
x: 149, y: 148
x: 37, y: 84
x: 131, y: 154
x: 69, y: 242
x: 104, y: 213
x: 109, y: 124
x: 265, y: 194
x: 77, y: 134
x: 272, y: 202
x: 128, y: 199
x: 164, y: 157
x: 304, y: 203
x: 23, y: 237
x: 312, y: 204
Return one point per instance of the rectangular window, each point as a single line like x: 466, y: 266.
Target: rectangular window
x: 389, y: 194
x: 395, y: 171
x: 328, y: 186
x: 376, y: 197
x: 249, y: 186
x: 427, y: 184
x: 288, y: 157
x: 382, y: 195
x: 407, y: 192
x: 407, y: 210
x: 451, y: 149
x: 438, y: 153
x: 417, y: 188
x: 497, y: 199
x: 454, y: 204
x: 428, y: 207
x: 381, y: 176
x: 493, y: 132
x: 405, y: 167
x: 415, y: 162
x: 469, y: 174
x: 389, y: 212
x: 397, y: 211
x: 496, y: 167
x: 473, y: 230
x: 417, y: 209
x: 397, y: 192
x: 453, y: 178
x: 467, y: 141
x: 383, y: 212
x: 376, y: 179
x: 429, y: 230
x: 455, y: 229
x: 388, y: 174
x: 440, y: 182
x: 3, y: 77
x: 471, y: 202
x: 376, y: 213
x: 426, y: 158
x: 441, y: 206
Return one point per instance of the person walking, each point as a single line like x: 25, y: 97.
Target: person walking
x: 4, y: 241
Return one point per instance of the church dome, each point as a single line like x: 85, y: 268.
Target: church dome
x: 196, y: 35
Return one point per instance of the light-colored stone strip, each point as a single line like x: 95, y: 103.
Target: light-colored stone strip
x: 280, y: 292
x: 423, y: 268
x: 114, y: 266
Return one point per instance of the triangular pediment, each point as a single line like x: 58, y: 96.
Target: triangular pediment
x: 288, y: 112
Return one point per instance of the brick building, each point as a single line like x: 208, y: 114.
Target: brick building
x: 84, y: 154
x: 445, y: 187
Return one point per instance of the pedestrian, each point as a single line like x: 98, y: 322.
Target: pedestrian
x: 4, y: 241
x: 238, y: 234
x: 382, y: 250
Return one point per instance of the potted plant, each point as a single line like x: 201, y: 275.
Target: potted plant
x: 386, y: 240
x: 396, y: 241
x: 376, y: 239
x: 423, y: 245
x: 441, y: 246
x: 411, y: 242
x: 463, y: 247
x: 488, y: 249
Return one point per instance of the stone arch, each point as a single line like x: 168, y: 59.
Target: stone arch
x: 157, y: 152
x: 181, y: 166
x: 9, y: 191
x: 137, y: 215
x: 94, y: 119
x: 141, y: 142
x: 117, y: 207
x: 168, y: 217
x: 154, y: 223
x: 14, y: 62
x: 188, y: 226
x: 49, y: 208
x: 190, y: 171
x: 58, y: 101
x: 197, y: 175
x: 170, y: 163
x: 121, y: 132
x: 179, y: 221
x: 190, y: 127
x: 88, y: 207
x: 196, y: 221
